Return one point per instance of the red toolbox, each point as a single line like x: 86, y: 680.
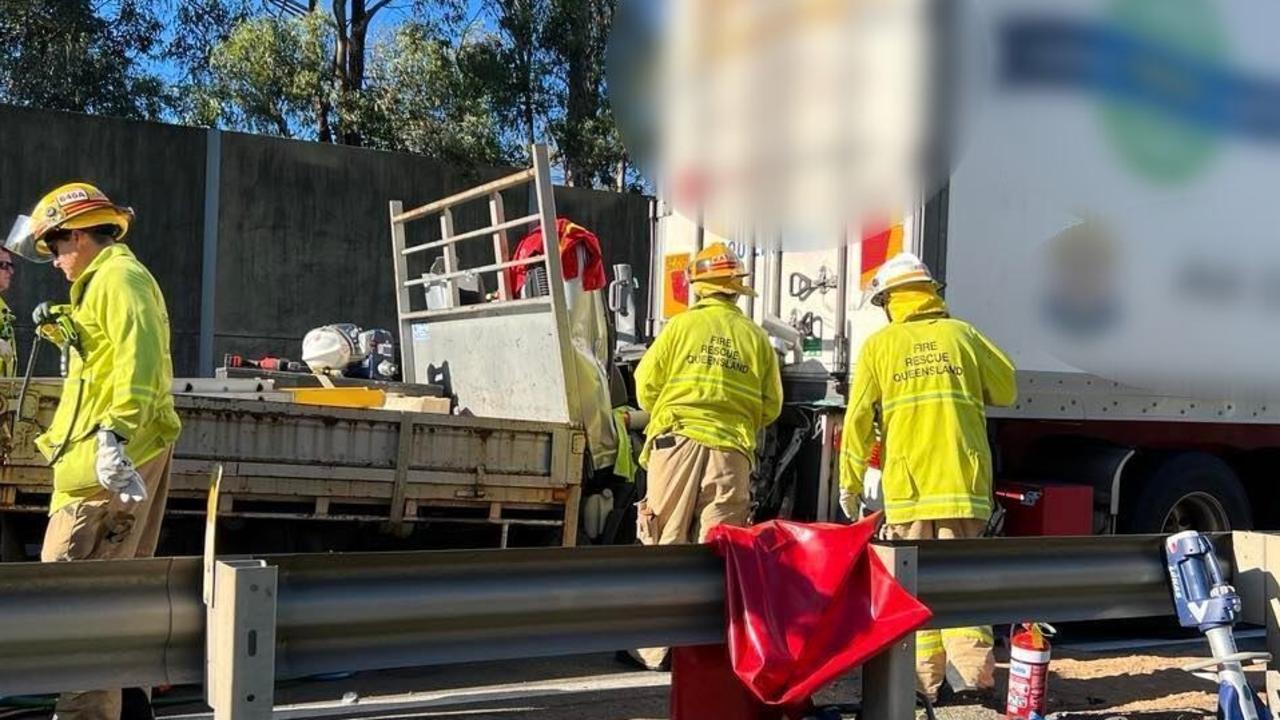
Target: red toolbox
x: 1046, y: 509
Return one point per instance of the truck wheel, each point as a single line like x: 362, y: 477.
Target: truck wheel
x: 1188, y: 491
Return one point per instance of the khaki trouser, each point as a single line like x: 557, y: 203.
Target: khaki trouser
x: 692, y: 488
x: 963, y: 656
x: 104, y: 527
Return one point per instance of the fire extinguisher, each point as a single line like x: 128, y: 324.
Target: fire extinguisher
x: 1028, y: 671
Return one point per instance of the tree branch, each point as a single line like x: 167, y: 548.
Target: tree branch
x: 290, y: 6
x: 340, y: 16
x: 373, y: 9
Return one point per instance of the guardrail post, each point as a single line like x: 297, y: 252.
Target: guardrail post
x: 240, y: 650
x: 1257, y: 579
x: 889, y: 679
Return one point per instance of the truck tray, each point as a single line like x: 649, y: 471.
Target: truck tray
x: 287, y: 460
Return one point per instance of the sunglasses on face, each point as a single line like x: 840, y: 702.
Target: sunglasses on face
x: 7, y: 265
x: 52, y: 239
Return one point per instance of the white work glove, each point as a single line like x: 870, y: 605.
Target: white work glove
x: 851, y: 504
x: 115, y: 470
x: 872, y: 492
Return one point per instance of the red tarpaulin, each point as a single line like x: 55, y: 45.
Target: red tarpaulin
x: 805, y: 604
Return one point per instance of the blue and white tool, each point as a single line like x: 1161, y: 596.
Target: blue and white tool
x: 1204, y: 600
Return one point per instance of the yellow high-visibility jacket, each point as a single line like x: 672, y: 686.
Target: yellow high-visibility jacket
x: 121, y: 378
x: 711, y: 376
x: 8, y: 342
x: 930, y: 377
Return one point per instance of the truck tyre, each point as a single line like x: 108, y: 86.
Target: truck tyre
x: 1187, y: 491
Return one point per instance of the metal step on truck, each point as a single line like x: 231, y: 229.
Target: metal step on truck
x: 517, y: 383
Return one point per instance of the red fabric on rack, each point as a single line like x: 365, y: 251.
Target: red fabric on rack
x: 572, y: 235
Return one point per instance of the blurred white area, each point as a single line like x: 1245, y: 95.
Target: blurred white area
x: 1116, y: 210
x: 1112, y: 165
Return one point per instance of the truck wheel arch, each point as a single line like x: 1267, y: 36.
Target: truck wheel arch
x: 1105, y: 466
x: 1163, y: 481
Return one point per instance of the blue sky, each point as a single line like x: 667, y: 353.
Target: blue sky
x: 392, y: 16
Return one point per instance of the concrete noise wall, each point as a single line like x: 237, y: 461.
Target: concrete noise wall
x: 156, y: 169
x: 255, y: 240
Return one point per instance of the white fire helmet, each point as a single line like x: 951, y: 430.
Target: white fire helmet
x: 902, y: 269
x: 331, y: 348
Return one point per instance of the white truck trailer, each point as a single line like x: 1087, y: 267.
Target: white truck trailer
x: 1110, y: 223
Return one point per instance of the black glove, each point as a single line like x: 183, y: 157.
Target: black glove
x: 44, y: 314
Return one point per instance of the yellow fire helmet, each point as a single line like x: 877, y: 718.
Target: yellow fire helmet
x: 73, y: 206
x: 717, y: 261
x: 718, y: 269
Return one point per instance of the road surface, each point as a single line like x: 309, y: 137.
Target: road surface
x: 1103, y: 682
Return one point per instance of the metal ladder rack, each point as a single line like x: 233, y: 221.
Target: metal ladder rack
x: 505, y: 358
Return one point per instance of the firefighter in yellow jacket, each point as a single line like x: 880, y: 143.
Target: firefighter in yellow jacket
x: 8, y: 337
x: 711, y: 383
x: 929, y: 377
x: 111, y: 438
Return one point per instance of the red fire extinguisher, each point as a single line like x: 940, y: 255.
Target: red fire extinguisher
x: 1028, y: 671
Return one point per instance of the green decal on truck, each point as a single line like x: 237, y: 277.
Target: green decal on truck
x: 1162, y: 146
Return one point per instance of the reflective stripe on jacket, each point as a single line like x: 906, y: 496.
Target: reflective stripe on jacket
x: 711, y: 376
x: 929, y: 377
x: 121, y: 378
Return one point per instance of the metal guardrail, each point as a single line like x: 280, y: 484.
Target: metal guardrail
x: 983, y: 582
x: 81, y: 626
x: 126, y: 623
